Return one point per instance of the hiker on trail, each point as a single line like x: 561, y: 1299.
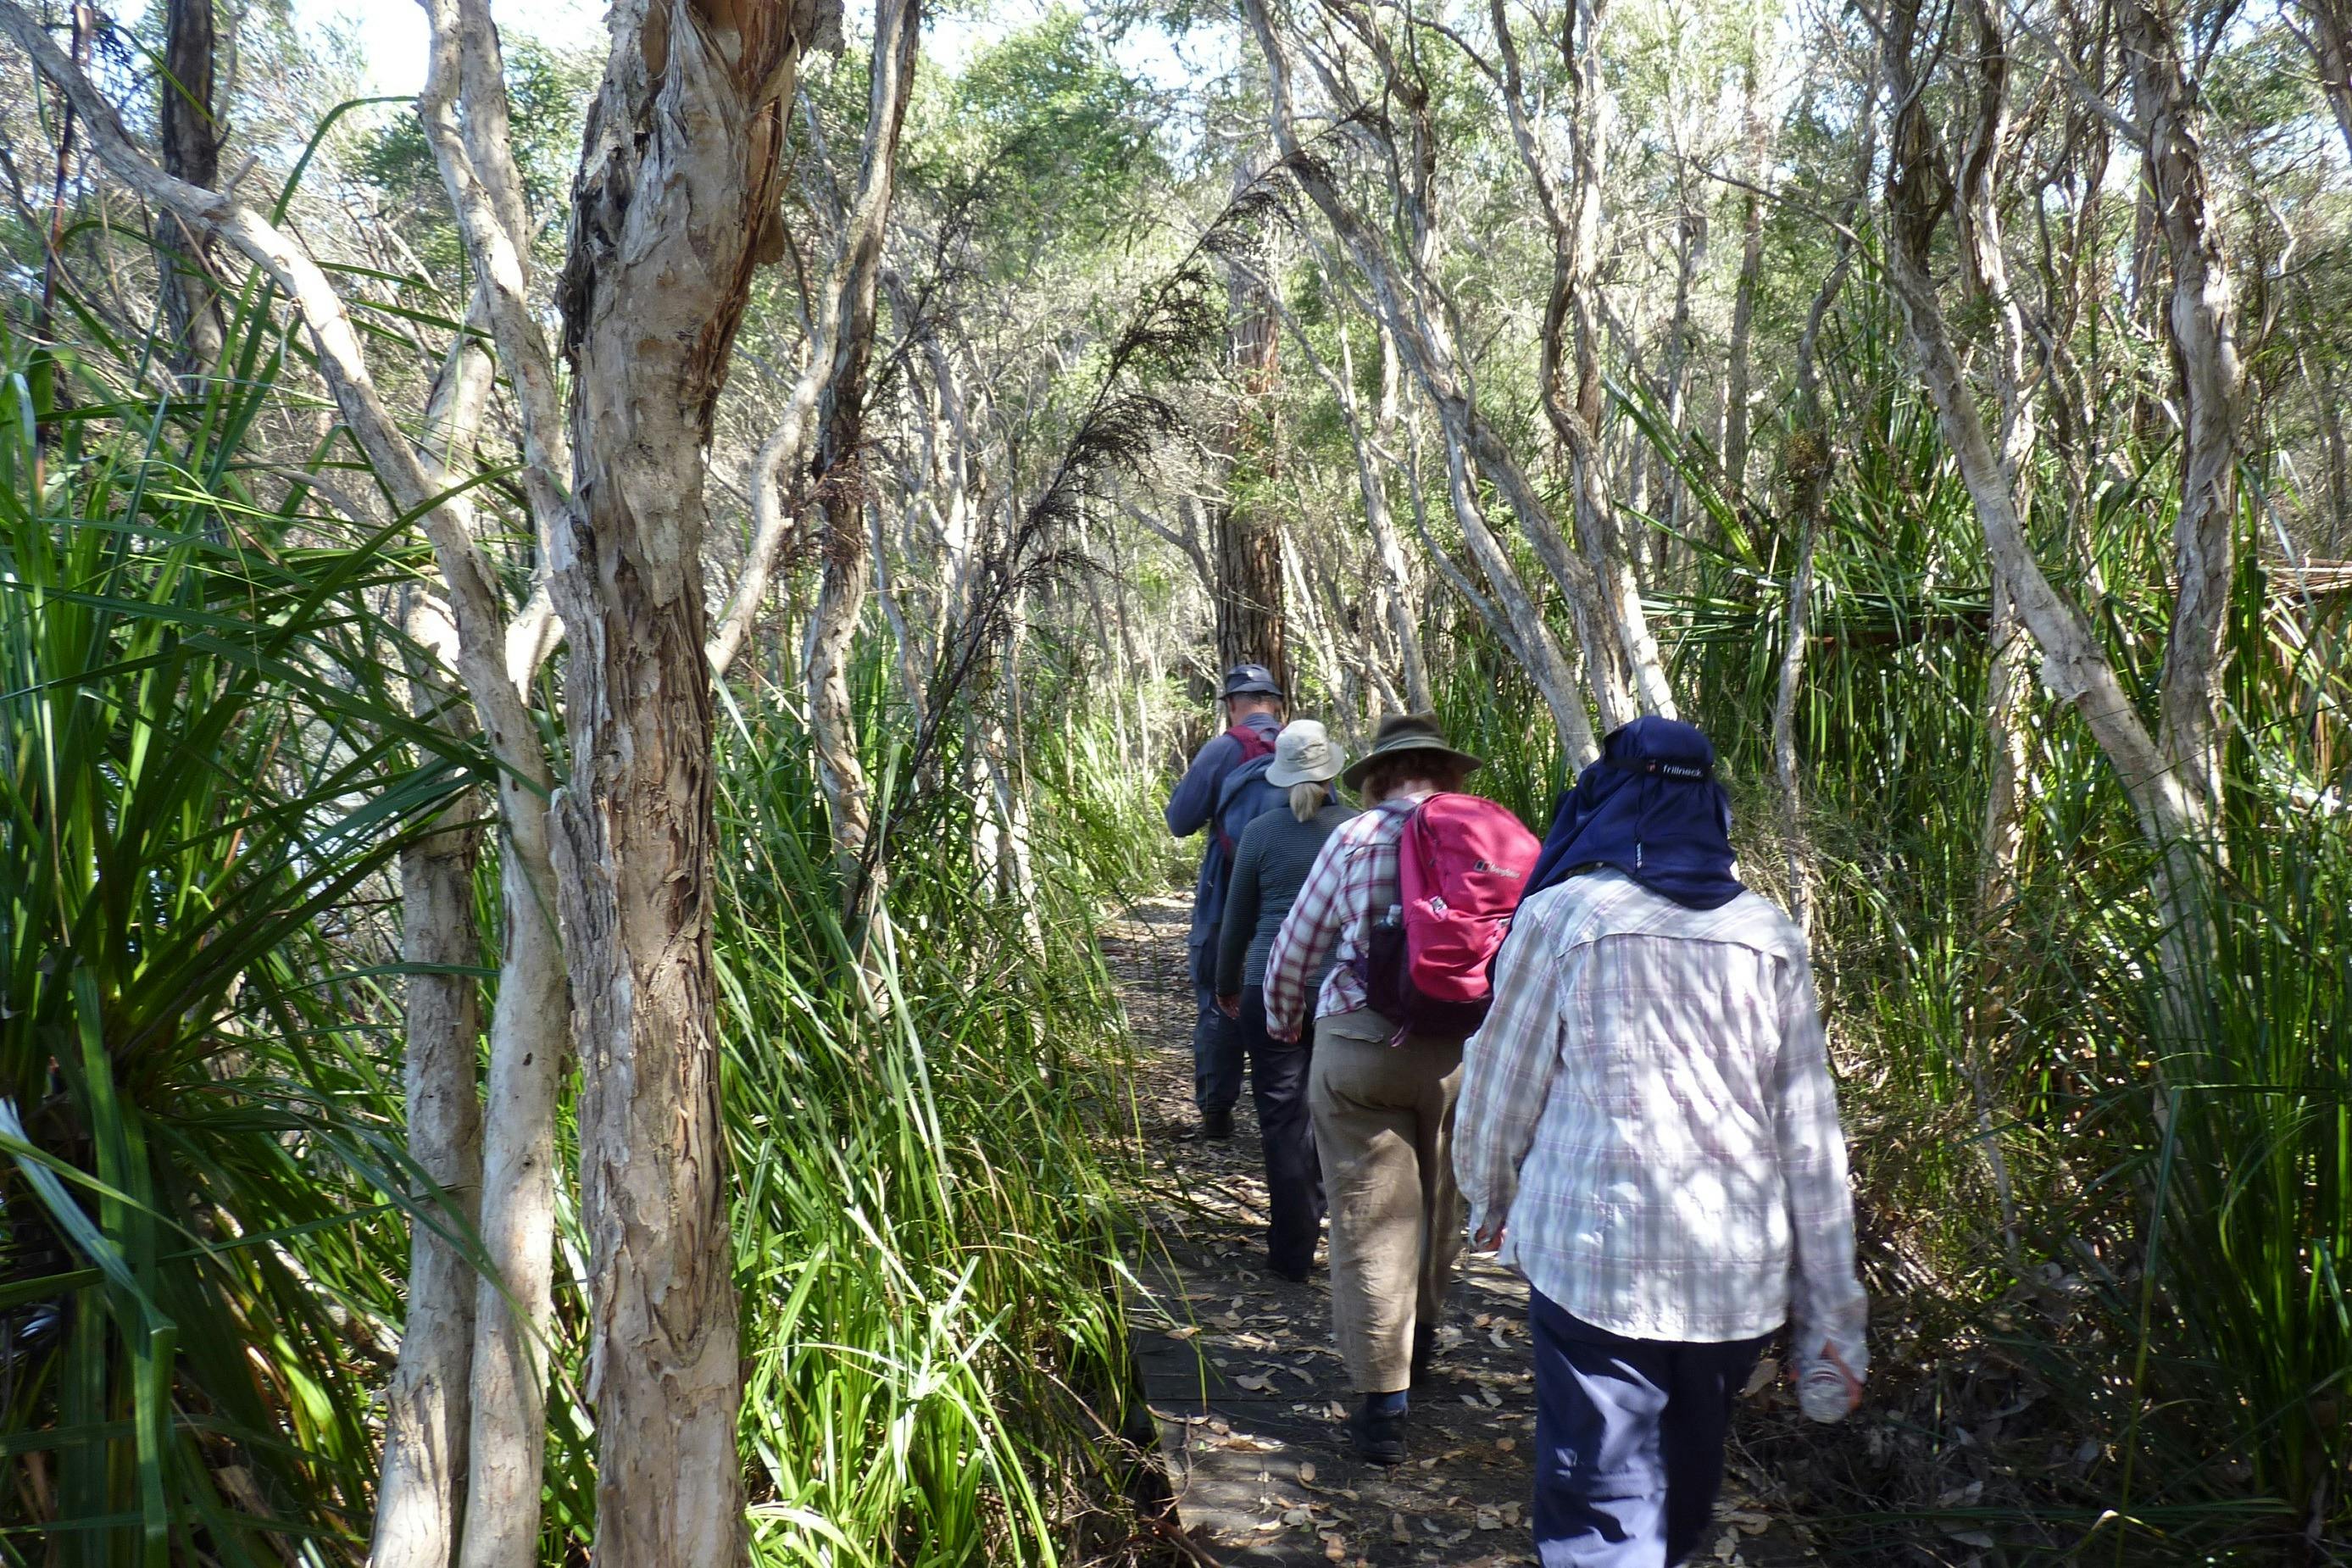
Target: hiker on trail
x: 1271, y: 862
x: 1382, y: 1099
x: 1253, y: 704
x: 1649, y: 1132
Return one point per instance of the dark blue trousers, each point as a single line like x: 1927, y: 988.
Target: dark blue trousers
x: 1216, y: 1039
x: 1628, y: 1440
x: 1294, y: 1177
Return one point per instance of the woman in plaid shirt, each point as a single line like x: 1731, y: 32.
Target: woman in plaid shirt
x: 1649, y: 1132
x: 1383, y: 1101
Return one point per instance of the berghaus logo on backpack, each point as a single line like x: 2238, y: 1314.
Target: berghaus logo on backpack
x: 1461, y: 863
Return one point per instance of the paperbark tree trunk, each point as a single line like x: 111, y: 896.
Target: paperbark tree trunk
x: 1373, y: 443
x: 786, y: 457
x: 1690, y: 255
x: 419, y: 1493
x: 473, y: 153
x: 420, y: 1489
x: 2008, y: 689
x: 2336, y: 457
x: 1522, y: 623
x: 2203, y: 325
x: 2171, y: 777
x: 1985, y: 160
x: 1622, y: 657
x: 1751, y: 268
x: 529, y: 1034
x: 1599, y: 529
x: 514, y: 1304
x: 191, y: 141
x: 1811, y: 460
x: 1299, y: 599
x: 676, y: 204
x: 422, y: 1481
x: 840, y: 471
x: 1402, y: 607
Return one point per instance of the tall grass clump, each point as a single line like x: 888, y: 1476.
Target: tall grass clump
x: 1103, y: 837
x: 202, y: 780
x: 927, y: 1224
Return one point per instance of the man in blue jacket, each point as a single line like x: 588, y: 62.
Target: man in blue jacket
x: 1253, y: 704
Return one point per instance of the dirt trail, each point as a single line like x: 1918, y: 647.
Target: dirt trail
x: 1242, y: 1370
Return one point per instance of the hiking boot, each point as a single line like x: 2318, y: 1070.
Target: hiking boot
x: 1217, y: 1126
x: 1424, y: 1350
x: 1377, y: 1430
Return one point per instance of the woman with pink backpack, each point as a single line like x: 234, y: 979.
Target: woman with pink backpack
x: 1383, y: 1083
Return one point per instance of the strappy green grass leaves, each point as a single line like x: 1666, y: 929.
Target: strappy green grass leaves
x: 202, y: 780
x: 926, y: 1227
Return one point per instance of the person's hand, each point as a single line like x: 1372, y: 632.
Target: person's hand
x: 1852, y: 1384
x: 1279, y: 1038
x: 1230, y: 1006
x: 1489, y: 1239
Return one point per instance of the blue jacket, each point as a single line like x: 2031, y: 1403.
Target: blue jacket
x: 1242, y: 799
x: 1189, y: 807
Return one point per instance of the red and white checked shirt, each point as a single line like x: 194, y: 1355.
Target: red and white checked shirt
x: 1650, y: 1106
x: 1352, y: 883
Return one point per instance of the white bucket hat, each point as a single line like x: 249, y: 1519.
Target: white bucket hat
x: 1303, y: 753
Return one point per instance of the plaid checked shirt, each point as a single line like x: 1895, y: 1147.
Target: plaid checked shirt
x: 1351, y: 884
x: 1650, y: 1106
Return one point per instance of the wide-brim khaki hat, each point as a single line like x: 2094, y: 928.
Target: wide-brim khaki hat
x: 1303, y: 753
x: 1407, y: 733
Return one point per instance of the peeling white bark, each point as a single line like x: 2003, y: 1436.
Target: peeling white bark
x: 2202, y: 324
x: 421, y: 1482
x: 1553, y: 678
x: 466, y: 70
x: 677, y: 185
x: 840, y: 418
x: 420, y: 1487
x: 514, y: 1304
x: 530, y: 1041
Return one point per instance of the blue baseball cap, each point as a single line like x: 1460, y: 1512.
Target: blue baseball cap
x: 1249, y: 681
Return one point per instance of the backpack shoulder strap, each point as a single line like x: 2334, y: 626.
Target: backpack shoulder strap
x: 1254, y: 741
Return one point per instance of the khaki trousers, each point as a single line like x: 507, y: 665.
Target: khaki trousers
x: 1384, y: 1130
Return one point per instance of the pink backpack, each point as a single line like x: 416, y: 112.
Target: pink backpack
x: 1462, y: 865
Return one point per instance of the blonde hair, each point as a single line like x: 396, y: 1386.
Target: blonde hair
x: 1306, y: 799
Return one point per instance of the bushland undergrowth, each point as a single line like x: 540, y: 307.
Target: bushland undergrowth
x: 2106, y: 1255
x: 206, y: 772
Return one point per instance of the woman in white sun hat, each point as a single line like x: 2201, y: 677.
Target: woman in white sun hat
x: 1270, y: 862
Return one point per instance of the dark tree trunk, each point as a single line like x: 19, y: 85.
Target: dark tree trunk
x: 191, y: 143
x: 1247, y: 543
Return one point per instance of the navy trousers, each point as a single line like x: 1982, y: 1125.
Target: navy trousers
x: 1216, y: 1039
x: 1628, y: 1440
x: 1294, y: 1177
